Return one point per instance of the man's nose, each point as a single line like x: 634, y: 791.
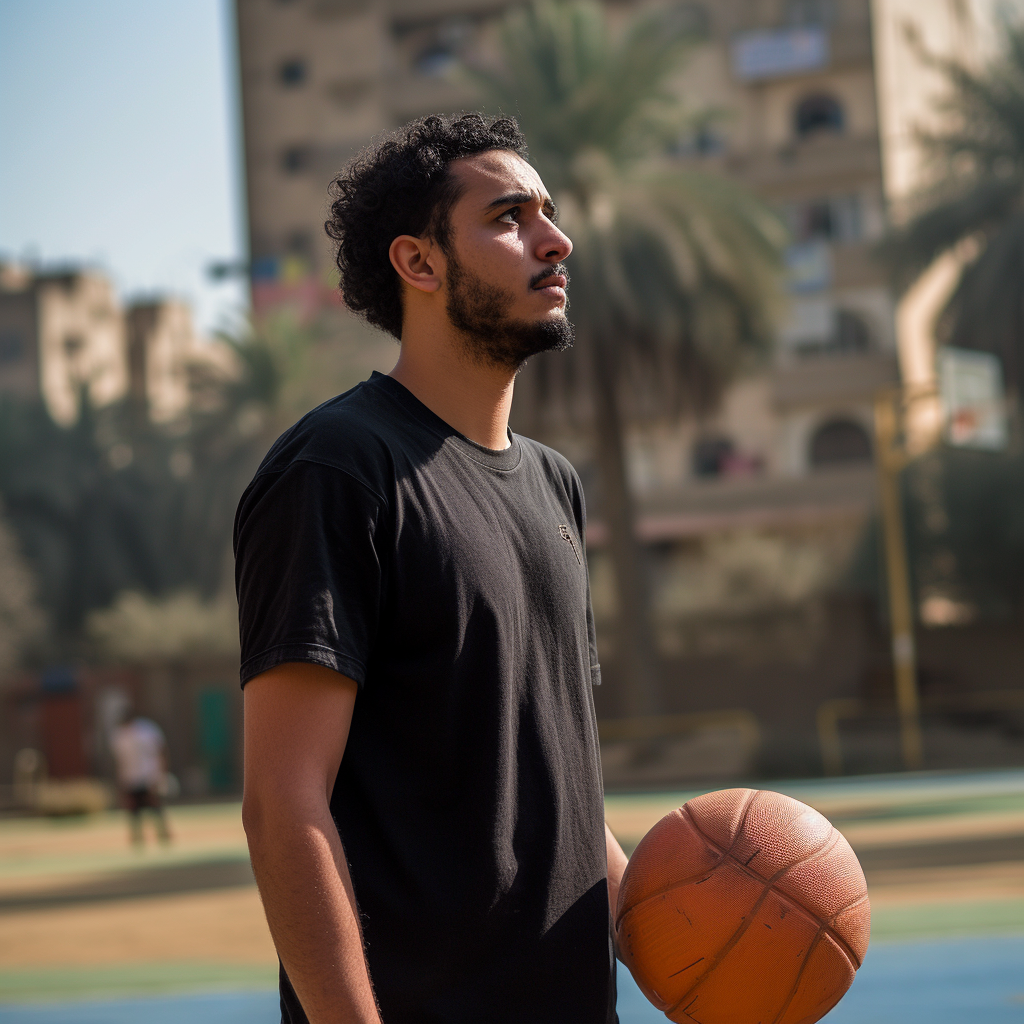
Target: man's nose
x: 555, y: 245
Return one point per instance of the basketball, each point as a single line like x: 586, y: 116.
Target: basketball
x: 743, y: 907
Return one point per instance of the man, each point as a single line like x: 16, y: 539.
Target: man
x: 423, y: 795
x: 140, y: 753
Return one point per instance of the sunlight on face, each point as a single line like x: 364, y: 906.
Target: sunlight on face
x: 506, y: 287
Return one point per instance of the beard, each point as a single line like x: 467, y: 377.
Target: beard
x: 479, y: 311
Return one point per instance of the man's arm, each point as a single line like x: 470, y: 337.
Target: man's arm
x: 297, y: 718
x: 617, y: 861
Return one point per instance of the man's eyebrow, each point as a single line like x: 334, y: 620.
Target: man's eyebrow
x: 512, y: 199
x: 518, y: 198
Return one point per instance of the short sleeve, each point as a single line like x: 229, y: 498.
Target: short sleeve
x: 580, y: 512
x: 307, y: 571
x: 595, y: 665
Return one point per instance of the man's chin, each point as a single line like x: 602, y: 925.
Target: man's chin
x: 510, y: 345
x: 552, y: 334
x: 490, y: 334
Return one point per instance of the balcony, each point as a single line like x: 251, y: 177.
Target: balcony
x: 762, y: 502
x: 822, y: 163
x: 824, y: 379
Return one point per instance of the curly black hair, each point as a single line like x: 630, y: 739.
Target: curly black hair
x: 403, y: 185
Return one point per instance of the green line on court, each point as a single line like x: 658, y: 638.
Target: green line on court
x: 55, y: 984
x: 939, y: 920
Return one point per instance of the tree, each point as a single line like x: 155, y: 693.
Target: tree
x: 22, y: 622
x: 977, y: 203
x: 674, y: 271
x: 126, y: 521
x: 117, y: 503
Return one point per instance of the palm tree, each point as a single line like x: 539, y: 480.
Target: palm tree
x: 979, y: 200
x: 674, y: 271
x: 116, y: 503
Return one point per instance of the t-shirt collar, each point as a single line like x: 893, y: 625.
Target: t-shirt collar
x: 506, y: 459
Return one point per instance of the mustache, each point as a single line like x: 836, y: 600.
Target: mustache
x: 550, y: 272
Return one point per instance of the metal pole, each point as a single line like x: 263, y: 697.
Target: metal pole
x: 891, y: 461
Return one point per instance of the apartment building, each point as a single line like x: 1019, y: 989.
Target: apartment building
x: 756, y: 509
x: 799, y: 87
x: 62, y: 332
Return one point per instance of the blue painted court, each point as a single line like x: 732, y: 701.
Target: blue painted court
x: 952, y: 981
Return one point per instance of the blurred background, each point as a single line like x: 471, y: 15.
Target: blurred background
x: 793, y: 402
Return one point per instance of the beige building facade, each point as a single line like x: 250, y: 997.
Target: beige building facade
x: 797, y: 84
x: 820, y: 102
x: 758, y: 513
x: 63, y: 332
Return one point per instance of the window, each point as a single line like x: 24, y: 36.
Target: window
x: 702, y: 140
x: 710, y: 454
x: 831, y: 218
x: 852, y: 333
x: 818, y: 114
x: 296, y: 159
x: 292, y: 72
x: 299, y: 242
x: 265, y: 269
x: 434, y: 47
x: 847, y: 334
x: 73, y: 345
x: 435, y: 61
x: 840, y: 442
x: 810, y: 12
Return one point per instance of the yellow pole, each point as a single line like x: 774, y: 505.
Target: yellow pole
x: 891, y: 461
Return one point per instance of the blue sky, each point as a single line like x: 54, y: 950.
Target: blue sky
x: 120, y: 145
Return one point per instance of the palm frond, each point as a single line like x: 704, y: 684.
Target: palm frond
x: 675, y: 273
x: 974, y: 208
x: 980, y: 198
x: 573, y: 87
x: 986, y: 311
x: 986, y: 107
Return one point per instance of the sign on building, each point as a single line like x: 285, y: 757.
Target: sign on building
x: 772, y: 54
x: 971, y: 384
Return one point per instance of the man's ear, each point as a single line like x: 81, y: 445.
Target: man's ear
x: 415, y: 260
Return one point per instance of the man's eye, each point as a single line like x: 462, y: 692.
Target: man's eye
x: 510, y: 216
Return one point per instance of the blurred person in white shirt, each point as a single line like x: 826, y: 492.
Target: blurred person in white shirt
x: 141, y: 755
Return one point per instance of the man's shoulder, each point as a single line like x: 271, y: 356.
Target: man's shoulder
x: 356, y: 432
x: 554, y: 462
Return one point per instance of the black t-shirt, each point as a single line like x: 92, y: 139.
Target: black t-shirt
x: 449, y: 581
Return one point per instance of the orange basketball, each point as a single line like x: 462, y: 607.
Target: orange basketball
x: 743, y: 907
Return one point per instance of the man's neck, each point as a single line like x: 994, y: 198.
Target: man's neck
x: 471, y: 397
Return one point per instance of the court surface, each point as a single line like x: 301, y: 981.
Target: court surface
x: 941, y: 982
x: 94, y: 933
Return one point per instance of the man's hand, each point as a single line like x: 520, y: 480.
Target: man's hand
x: 297, y: 718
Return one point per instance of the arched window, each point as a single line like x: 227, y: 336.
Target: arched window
x: 839, y: 442
x: 818, y: 113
